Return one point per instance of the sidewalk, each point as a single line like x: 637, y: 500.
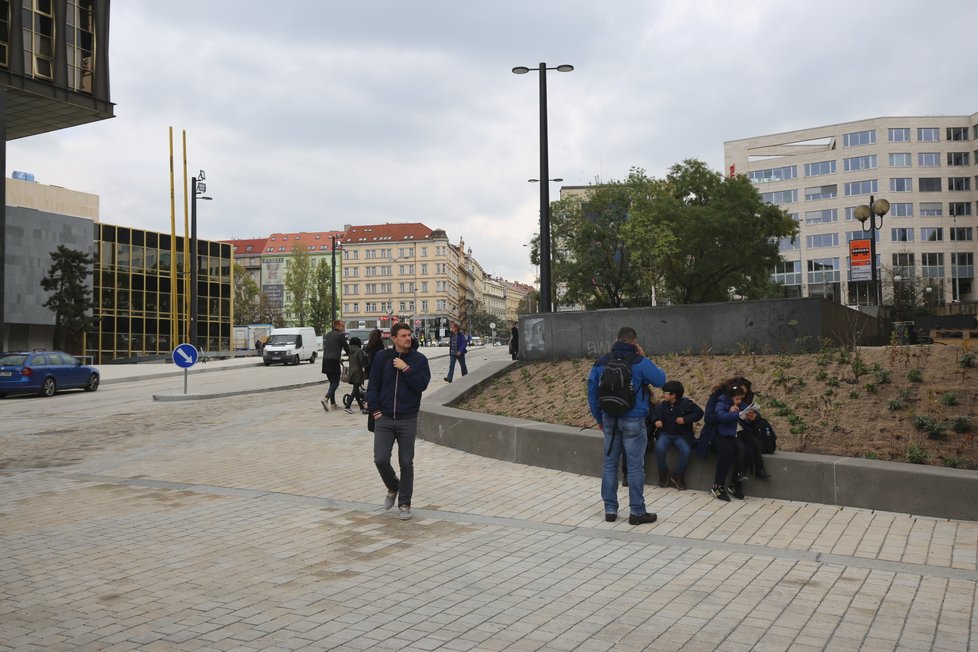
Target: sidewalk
x: 256, y: 523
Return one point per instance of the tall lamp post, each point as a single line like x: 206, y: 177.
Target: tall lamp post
x: 332, y: 280
x: 545, y: 293
x: 867, y: 216
x: 199, y: 188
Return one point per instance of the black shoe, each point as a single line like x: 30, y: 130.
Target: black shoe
x: 611, y: 517
x: 447, y: 379
x: 736, y: 491
x: 663, y: 479
x: 624, y: 482
x: 639, y: 519
x: 741, y: 478
x: 720, y: 494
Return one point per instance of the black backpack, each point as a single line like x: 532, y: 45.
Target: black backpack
x: 765, y: 434
x: 616, y: 396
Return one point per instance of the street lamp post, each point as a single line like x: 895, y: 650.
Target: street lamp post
x: 867, y: 216
x: 198, y: 188
x: 332, y: 281
x: 545, y: 293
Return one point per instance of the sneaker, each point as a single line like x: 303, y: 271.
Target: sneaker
x: 389, y: 499
x: 663, y: 479
x: 736, y: 491
x: 611, y: 517
x: 325, y: 404
x: 639, y: 519
x: 741, y: 478
x: 676, y: 479
x: 406, y: 512
x: 348, y: 410
x: 720, y: 494
x: 447, y: 379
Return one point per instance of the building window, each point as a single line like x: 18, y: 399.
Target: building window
x: 929, y: 159
x: 959, y: 183
x: 902, y: 209
x: 820, y: 168
x: 931, y: 234
x: 959, y: 208
x: 902, y: 184
x: 901, y: 235
x: 901, y: 160
x: 442, y: 305
x: 932, y: 265
x: 862, y: 235
x: 821, y: 241
x: 957, y: 133
x: 857, y: 163
x: 961, y: 233
x: 788, y: 243
x: 898, y: 134
x: 929, y: 184
x: 424, y: 305
x: 821, y: 192
x: 822, y: 217
x: 857, y: 138
x: 928, y: 134
x: 861, y: 187
x: 931, y: 209
x: 773, y: 174
x: 787, y: 272
x: 959, y: 158
x: 823, y: 270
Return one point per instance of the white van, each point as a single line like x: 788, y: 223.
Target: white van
x: 290, y: 346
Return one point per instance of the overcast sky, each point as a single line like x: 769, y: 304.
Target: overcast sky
x: 309, y: 115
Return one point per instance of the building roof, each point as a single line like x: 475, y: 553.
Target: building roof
x: 248, y: 246
x: 370, y: 233
x: 311, y: 240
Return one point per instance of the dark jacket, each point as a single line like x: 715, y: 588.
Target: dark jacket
x: 726, y: 420
x: 457, y: 343
x: 358, y: 368
x: 644, y: 373
x: 334, y: 345
x: 667, y: 412
x: 709, y: 431
x: 372, y: 353
x: 397, y: 394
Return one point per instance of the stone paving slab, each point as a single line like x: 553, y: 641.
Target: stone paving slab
x: 255, y: 523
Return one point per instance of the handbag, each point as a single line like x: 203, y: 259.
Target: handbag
x: 344, y: 374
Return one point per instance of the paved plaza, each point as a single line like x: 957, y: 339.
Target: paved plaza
x: 254, y: 522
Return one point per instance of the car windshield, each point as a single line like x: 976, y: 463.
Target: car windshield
x: 14, y: 360
x: 281, y: 339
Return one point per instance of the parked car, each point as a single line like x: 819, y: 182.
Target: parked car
x: 44, y: 373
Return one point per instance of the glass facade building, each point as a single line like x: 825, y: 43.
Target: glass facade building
x: 140, y: 311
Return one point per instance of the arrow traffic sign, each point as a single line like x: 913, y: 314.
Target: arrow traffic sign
x: 185, y: 355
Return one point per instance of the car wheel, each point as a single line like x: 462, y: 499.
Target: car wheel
x: 92, y: 383
x: 49, y: 387
x: 312, y: 360
x: 296, y: 360
x: 267, y: 363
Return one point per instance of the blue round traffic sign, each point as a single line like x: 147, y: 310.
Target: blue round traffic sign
x: 185, y: 355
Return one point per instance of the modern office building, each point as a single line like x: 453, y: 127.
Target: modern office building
x: 141, y: 299
x: 924, y: 166
x: 54, y: 74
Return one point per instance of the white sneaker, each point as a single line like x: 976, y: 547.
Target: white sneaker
x: 405, y: 513
x: 389, y: 500
x: 325, y: 404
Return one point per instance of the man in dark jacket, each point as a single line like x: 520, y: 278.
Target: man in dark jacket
x: 674, y: 417
x: 398, y: 377
x: 334, y: 345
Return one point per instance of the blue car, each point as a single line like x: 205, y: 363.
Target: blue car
x: 44, y: 373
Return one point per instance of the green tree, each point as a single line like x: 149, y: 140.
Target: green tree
x: 725, y: 236
x: 71, y: 297
x: 480, y: 319
x: 247, y: 297
x: 298, y: 283
x: 321, y: 305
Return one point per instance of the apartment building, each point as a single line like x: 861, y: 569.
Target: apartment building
x: 924, y: 166
x: 277, y: 256
x: 405, y: 272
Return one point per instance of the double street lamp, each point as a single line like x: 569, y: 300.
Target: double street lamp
x: 198, y: 188
x: 545, y: 292
x: 867, y: 215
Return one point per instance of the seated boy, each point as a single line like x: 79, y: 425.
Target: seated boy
x: 674, y: 418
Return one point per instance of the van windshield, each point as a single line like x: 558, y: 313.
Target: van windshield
x: 281, y: 338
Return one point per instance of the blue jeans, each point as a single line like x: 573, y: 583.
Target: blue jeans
x: 630, y: 435
x: 451, y: 365
x: 662, y: 444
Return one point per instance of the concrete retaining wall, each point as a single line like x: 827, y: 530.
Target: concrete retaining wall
x: 869, y: 484
x: 778, y: 326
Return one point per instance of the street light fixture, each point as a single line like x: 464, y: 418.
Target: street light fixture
x: 867, y: 215
x: 545, y: 293
x: 332, y: 280
x: 199, y: 188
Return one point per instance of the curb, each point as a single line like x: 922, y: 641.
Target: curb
x: 239, y: 392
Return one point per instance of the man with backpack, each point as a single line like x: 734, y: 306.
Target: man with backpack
x: 618, y: 395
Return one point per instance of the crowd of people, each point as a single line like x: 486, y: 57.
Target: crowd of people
x: 621, y: 399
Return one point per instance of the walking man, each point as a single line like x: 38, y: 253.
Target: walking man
x: 618, y: 395
x: 457, y: 346
x: 398, y: 377
x: 334, y: 345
